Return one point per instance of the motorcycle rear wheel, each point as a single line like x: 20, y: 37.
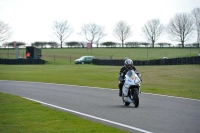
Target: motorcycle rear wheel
x: 126, y: 104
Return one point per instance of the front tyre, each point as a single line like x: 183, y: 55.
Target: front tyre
x: 136, y: 99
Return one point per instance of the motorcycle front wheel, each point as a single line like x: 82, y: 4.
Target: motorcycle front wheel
x: 136, y: 99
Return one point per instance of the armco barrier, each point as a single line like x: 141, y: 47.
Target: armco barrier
x: 21, y: 61
x: 173, y: 61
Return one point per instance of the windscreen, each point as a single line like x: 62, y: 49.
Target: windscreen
x: 130, y: 73
x: 82, y: 58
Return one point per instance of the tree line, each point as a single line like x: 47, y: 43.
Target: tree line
x: 180, y: 28
x: 75, y: 44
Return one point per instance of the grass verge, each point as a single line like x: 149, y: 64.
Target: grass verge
x: 19, y: 115
x: 176, y: 80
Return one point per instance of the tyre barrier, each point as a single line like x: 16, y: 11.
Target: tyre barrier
x: 172, y: 61
x: 21, y: 61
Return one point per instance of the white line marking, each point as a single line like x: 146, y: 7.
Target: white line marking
x: 172, y: 96
x: 94, y: 117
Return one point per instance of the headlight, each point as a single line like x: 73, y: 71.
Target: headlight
x: 137, y: 80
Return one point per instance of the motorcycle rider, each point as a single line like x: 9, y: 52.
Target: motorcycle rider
x: 128, y: 65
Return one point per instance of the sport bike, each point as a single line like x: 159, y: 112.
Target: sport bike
x: 131, y: 88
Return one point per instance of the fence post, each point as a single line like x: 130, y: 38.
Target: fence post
x: 8, y: 53
x: 147, y: 52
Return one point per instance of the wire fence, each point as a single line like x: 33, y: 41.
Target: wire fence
x: 135, y: 54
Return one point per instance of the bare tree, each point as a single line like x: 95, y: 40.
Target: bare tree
x: 62, y: 30
x: 93, y: 32
x: 196, y: 16
x: 100, y: 35
x: 122, y: 31
x: 5, y: 31
x: 152, y: 30
x: 180, y: 28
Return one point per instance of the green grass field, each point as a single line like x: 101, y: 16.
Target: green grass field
x: 20, y: 115
x: 177, y: 80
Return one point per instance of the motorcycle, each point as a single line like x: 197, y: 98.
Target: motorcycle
x: 131, y: 88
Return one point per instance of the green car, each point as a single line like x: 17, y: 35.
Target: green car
x: 84, y: 60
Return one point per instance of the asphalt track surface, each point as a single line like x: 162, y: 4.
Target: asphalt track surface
x: 156, y: 113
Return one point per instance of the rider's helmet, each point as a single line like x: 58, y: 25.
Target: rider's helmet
x: 128, y: 64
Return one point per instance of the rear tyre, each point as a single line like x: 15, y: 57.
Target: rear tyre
x: 127, y: 104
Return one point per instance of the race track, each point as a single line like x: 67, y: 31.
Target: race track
x: 156, y: 113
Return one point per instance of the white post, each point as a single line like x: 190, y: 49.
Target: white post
x: 17, y: 52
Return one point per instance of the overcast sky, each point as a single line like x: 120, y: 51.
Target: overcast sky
x: 32, y: 20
